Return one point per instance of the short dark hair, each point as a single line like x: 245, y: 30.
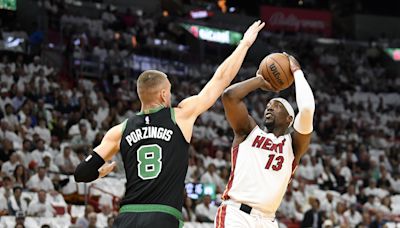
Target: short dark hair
x: 16, y: 188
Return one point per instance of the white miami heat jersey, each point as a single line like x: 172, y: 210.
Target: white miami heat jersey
x: 262, y: 167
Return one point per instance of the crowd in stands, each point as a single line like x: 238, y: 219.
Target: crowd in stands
x: 350, y: 176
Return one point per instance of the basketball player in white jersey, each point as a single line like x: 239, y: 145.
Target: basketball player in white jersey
x: 263, y: 161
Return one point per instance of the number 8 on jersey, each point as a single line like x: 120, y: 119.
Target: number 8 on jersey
x: 149, y: 158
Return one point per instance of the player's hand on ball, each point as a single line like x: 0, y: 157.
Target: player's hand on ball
x: 266, y: 86
x: 106, y: 168
x: 251, y: 34
x: 294, y: 64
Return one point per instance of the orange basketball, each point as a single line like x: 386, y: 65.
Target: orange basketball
x: 275, y: 68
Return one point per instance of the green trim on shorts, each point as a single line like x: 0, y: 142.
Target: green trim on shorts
x: 153, y: 208
x: 173, y: 115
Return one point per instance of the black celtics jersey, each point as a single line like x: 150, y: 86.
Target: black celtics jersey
x: 155, y: 155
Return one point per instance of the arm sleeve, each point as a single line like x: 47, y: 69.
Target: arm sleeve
x: 303, y: 122
x: 87, y: 170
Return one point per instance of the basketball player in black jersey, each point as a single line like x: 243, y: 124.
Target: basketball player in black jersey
x: 154, y: 144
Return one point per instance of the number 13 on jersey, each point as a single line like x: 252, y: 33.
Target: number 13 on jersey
x: 149, y: 161
x: 277, y: 165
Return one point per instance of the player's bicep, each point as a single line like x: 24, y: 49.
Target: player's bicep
x: 109, y: 145
x: 237, y: 115
x: 300, y: 143
x: 191, y: 107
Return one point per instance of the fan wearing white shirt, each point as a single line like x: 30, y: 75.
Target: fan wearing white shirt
x: 205, y: 211
x: 345, y: 171
x: 25, y: 152
x: 350, y: 196
x: 49, y: 164
x: 16, y: 202
x: 37, y: 154
x: 10, y: 117
x: 329, y: 203
x: 353, y: 216
x: 7, y: 79
x: 67, y: 161
x: 43, y: 131
x: 41, y: 207
x: 9, y: 166
x: 305, y: 170
x: 288, y: 206
x: 4, y: 99
x: 212, y: 177
x: 219, y: 160
x: 40, y: 181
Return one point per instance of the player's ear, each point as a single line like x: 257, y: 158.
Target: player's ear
x: 164, y: 96
x: 289, y: 119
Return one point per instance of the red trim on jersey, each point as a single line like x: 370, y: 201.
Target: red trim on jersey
x: 294, y: 168
x: 235, y: 151
x: 221, y: 214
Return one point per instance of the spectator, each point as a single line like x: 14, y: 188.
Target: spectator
x: 6, y: 188
x: 305, y: 170
x: 4, y: 98
x: 49, y: 164
x: 92, y: 217
x: 205, y: 211
x: 288, y: 206
x: 104, y: 215
x: 110, y: 221
x: 188, y: 211
x: 43, y: 131
x: 21, y: 176
x: 20, y: 220
x: 219, y: 160
x: 81, y: 140
x: 84, y: 221
x: 211, y: 176
x: 329, y: 203
x: 37, y: 155
x: 9, y: 137
x: 366, y: 220
x: 3, y: 205
x: 8, y: 167
x: 35, y: 66
x: 67, y: 161
x: 7, y: 79
x: 16, y: 202
x: 41, y: 207
x: 313, y: 217
x: 353, y: 216
x: 25, y: 152
x: 378, y: 221
x: 18, y: 100
x: 350, y: 197
x: 40, y: 181
x: 10, y: 117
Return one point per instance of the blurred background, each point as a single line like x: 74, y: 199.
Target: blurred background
x: 68, y: 73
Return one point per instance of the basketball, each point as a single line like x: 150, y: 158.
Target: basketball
x: 275, y: 68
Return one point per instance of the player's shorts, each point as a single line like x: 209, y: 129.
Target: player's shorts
x: 148, y: 216
x: 232, y: 215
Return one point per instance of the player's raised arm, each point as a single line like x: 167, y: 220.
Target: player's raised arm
x: 96, y: 164
x: 303, y: 123
x: 235, y: 108
x: 193, y: 106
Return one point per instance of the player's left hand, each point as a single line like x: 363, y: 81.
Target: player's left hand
x: 294, y: 64
x: 251, y: 33
x: 106, y: 168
